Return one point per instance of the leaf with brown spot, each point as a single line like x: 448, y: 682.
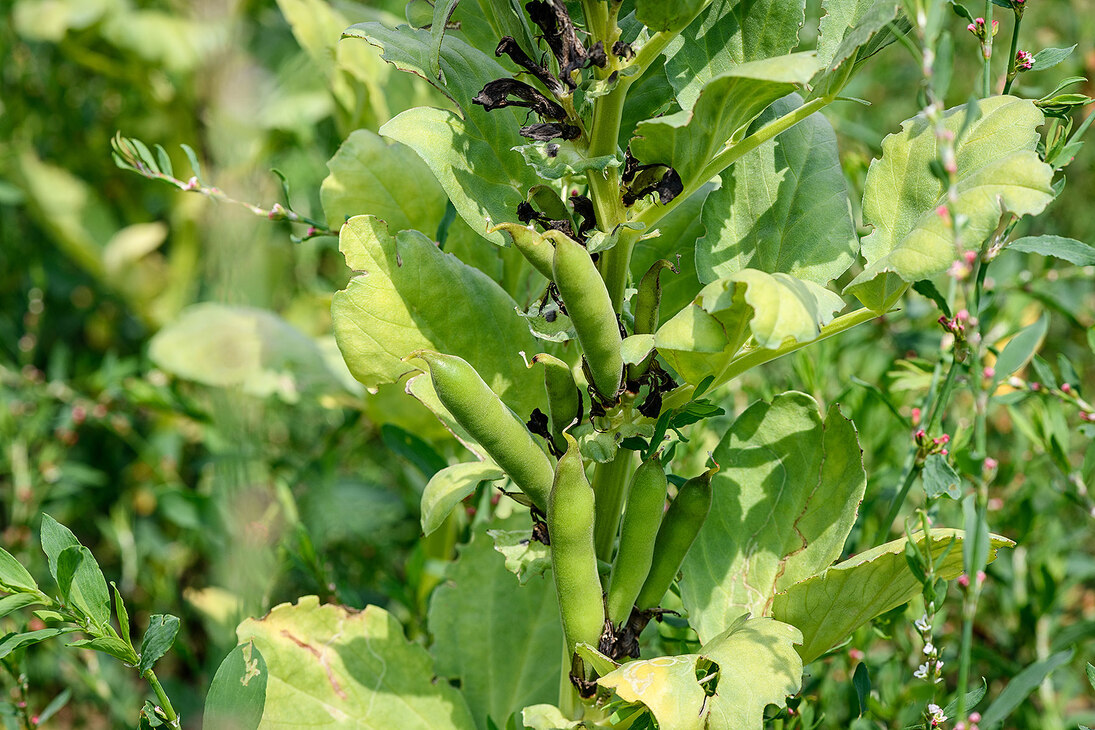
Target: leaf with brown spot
x: 331, y: 666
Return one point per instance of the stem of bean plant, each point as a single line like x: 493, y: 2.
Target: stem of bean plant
x: 162, y: 698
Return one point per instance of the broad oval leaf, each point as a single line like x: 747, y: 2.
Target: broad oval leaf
x: 499, y: 638
x: 449, y: 486
x: 55, y: 537
x: 659, y: 15
x: 758, y: 666
x: 782, y: 207
x: 667, y: 686
x: 348, y: 669
x: 388, y: 180
x: 238, y: 693
x: 689, y: 139
x: 231, y: 346
x: 998, y: 173
x: 704, y: 337
x: 727, y: 34
x: 1069, y: 249
x: 784, y: 503
x: 411, y: 296
x: 469, y: 153
x: 828, y: 607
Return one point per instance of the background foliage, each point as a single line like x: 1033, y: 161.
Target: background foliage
x: 216, y: 486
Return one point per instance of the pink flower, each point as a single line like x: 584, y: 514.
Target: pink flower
x: 1024, y: 61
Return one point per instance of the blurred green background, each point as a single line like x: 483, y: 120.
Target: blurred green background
x: 169, y: 388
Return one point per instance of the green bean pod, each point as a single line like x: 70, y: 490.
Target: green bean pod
x: 573, y: 560
x: 681, y: 524
x: 642, y: 518
x: 534, y: 246
x: 563, y: 396
x: 490, y: 422
x: 590, y: 309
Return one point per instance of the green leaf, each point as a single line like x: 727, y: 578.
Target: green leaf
x: 1050, y: 57
x: 831, y: 605
x: 704, y: 337
x: 414, y: 449
x: 115, y: 647
x: 412, y: 296
x: 689, y: 139
x: 1019, y: 350
x: 253, y: 349
x: 861, y: 680
x: 1069, y: 249
x: 940, y: 478
x: 783, y: 506
x: 658, y: 15
x: 849, y: 25
x: 973, y: 698
x: 16, y: 601
x: 526, y: 558
x: 469, y: 154
x: 667, y: 686
x: 158, y: 638
x: 55, y: 537
x: 354, y: 667
x: 14, y: 578
x: 12, y: 642
x: 448, y: 487
x: 388, y: 180
x: 547, y: 717
x: 998, y: 173
x: 727, y: 34
x: 1090, y: 674
x: 238, y: 693
x: 82, y: 583
x: 782, y: 207
x: 556, y: 160
x: 1020, y: 687
x: 758, y: 666
x: 123, y: 616
x: 498, y: 638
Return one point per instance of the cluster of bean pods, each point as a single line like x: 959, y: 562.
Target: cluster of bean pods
x: 653, y: 540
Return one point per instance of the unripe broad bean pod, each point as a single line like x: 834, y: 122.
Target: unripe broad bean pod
x: 490, y: 422
x: 590, y: 309
x: 681, y: 524
x: 642, y: 518
x: 570, y: 517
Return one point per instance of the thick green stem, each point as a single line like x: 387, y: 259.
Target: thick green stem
x: 162, y: 698
x: 609, y: 484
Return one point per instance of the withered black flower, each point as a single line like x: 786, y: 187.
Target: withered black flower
x: 497, y: 94
x: 550, y: 130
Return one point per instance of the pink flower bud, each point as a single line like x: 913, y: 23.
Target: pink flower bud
x: 1066, y: 388
x: 1035, y: 386
x: 855, y: 655
x: 989, y: 372
x: 1024, y: 61
x: 976, y: 716
x: 916, y: 416
x: 964, y: 580
x: 990, y: 464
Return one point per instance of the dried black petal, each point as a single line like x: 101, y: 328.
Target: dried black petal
x: 496, y: 95
x: 667, y: 186
x: 527, y: 213
x: 509, y: 46
x: 550, y: 130
x: 552, y: 18
x: 538, y: 424
x: 583, y: 206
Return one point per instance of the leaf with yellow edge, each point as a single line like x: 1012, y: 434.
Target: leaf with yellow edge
x: 667, y: 686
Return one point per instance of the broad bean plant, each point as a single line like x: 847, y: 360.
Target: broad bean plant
x: 612, y: 210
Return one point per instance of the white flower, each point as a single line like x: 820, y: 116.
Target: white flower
x: 929, y: 648
x: 935, y: 713
x: 922, y: 624
x: 922, y: 672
